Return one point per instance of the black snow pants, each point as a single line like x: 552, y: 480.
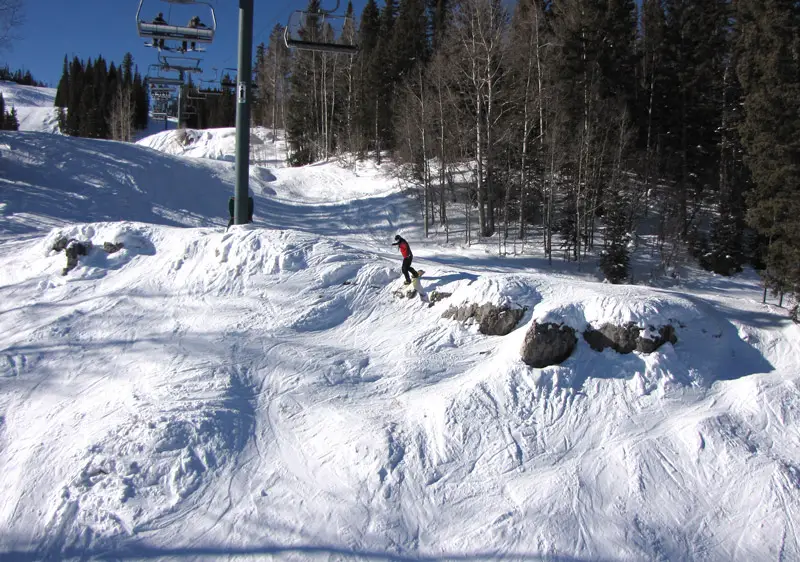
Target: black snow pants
x: 407, y: 267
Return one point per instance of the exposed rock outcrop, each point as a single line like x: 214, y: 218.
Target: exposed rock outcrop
x: 548, y: 344
x: 492, y: 320
x: 629, y: 337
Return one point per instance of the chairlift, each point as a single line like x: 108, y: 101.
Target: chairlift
x: 226, y: 82
x: 159, y: 81
x: 322, y: 31
x: 161, y: 93
x: 154, y: 78
x: 165, y: 31
x: 179, y: 64
x: 193, y: 94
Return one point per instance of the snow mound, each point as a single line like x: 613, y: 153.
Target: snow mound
x: 579, y: 305
x: 214, y: 144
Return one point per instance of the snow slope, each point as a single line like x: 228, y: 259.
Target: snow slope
x: 34, y: 106
x: 261, y: 392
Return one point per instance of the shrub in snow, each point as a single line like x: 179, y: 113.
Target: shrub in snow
x: 548, y: 344
x: 492, y: 320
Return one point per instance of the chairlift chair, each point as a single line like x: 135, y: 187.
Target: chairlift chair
x: 163, y: 81
x: 180, y: 64
x: 155, y: 78
x: 321, y: 31
x: 193, y: 94
x: 176, y: 32
x: 226, y: 82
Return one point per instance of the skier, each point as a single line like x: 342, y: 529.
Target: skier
x: 405, y: 250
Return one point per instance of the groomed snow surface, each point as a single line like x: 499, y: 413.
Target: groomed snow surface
x: 261, y: 392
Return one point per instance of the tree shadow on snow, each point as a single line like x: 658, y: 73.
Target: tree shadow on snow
x: 311, y: 551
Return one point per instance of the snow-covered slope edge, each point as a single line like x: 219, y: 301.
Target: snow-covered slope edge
x: 34, y: 105
x: 261, y: 391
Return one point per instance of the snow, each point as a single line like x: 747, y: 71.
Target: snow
x: 34, y: 105
x: 261, y: 392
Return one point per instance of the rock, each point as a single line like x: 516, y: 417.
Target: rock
x: 73, y: 250
x: 628, y: 338
x: 437, y: 296
x: 111, y: 248
x: 665, y: 334
x: 621, y: 339
x: 60, y: 244
x: 548, y: 344
x: 492, y: 320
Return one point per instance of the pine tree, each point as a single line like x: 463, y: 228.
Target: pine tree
x: 127, y: 69
x: 12, y: 122
x: 409, y: 45
x: 768, y: 41
x: 62, y: 92
x: 366, y: 81
x: 76, y: 74
x: 303, y: 119
x: 695, y: 55
x: 141, y: 101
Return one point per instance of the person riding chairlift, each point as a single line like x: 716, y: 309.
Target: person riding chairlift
x: 159, y: 20
x: 194, y: 23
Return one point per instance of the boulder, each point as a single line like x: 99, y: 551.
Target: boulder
x: 666, y: 334
x: 492, y: 320
x: 629, y: 337
x: 74, y: 249
x: 437, y: 296
x: 112, y: 248
x: 548, y: 344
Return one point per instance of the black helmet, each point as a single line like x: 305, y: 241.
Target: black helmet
x: 397, y: 237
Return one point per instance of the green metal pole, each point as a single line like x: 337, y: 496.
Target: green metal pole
x: 243, y: 111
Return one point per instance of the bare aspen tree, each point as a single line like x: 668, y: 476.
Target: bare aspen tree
x: 120, y: 120
x: 478, y: 30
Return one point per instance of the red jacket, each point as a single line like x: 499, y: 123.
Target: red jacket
x: 405, y: 249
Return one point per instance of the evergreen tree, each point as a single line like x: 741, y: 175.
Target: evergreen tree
x: 127, y: 69
x: 141, y: 101
x: 303, y: 122
x: 62, y: 92
x: 367, y: 87
x: 409, y: 45
x: 76, y: 73
x: 768, y: 41
x: 11, y: 121
x: 382, y: 78
x: 695, y: 55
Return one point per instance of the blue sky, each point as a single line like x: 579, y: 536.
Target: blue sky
x: 88, y: 28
